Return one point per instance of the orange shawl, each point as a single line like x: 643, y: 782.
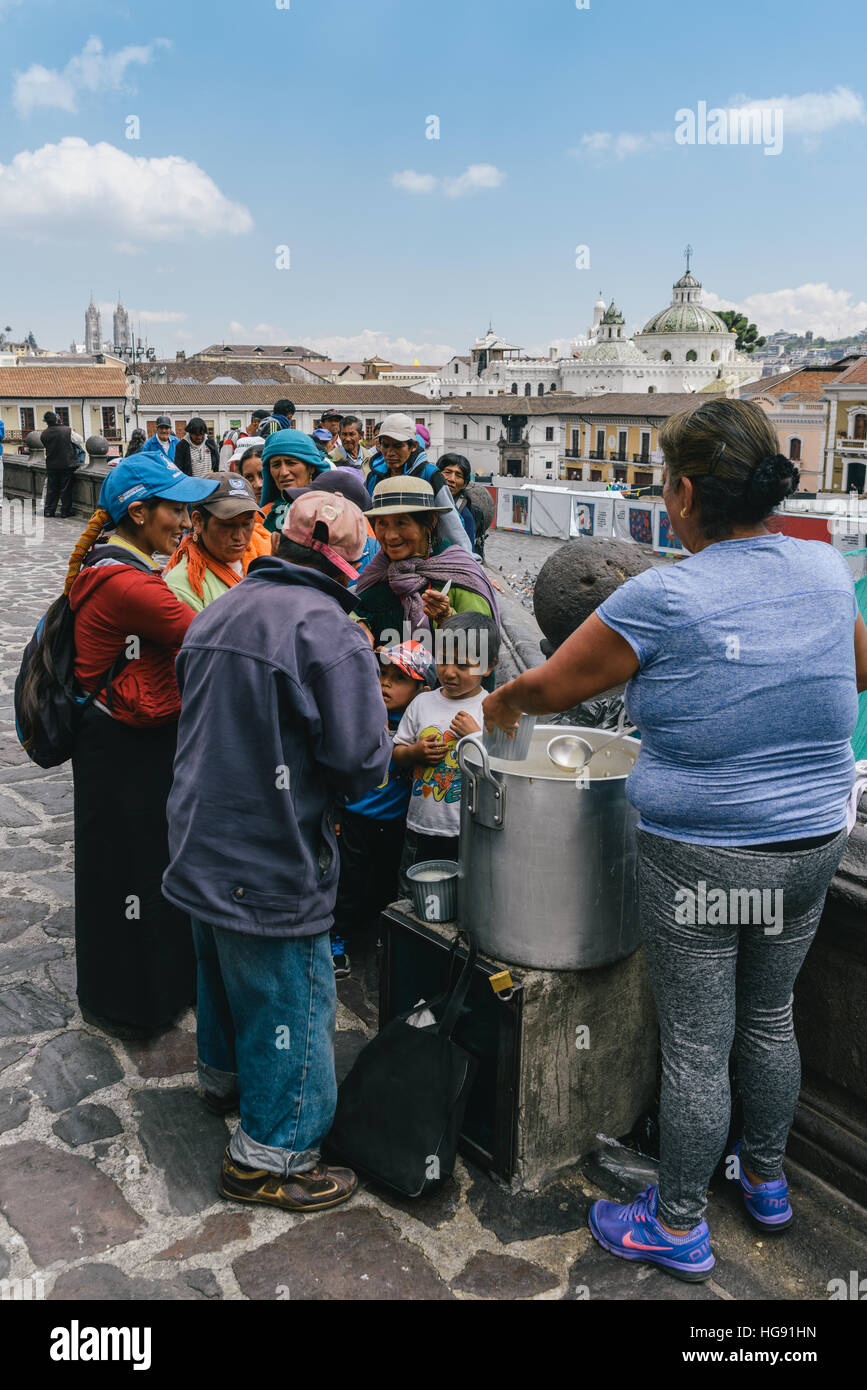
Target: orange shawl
x: 199, y: 559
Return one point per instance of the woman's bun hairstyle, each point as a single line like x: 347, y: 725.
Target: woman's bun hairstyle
x: 729, y: 452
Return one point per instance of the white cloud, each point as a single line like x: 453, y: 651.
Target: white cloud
x: 72, y: 189
x: 604, y: 143
x: 829, y: 313
x: 812, y: 113
x: 411, y: 182
x: 91, y: 70
x: 369, y: 343
x: 474, y: 177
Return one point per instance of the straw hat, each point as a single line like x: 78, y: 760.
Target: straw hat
x: 403, y: 494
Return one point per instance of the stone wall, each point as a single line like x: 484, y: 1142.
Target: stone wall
x: 24, y: 476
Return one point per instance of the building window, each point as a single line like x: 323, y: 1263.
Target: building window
x: 553, y: 386
x: 859, y: 429
x: 714, y: 357
x: 465, y: 431
x: 666, y: 356
x: 209, y: 426
x: 369, y: 427
x: 514, y: 388
x: 25, y: 415
x: 457, y: 368
x: 487, y: 431
x: 795, y: 450
x: 650, y: 390
x: 419, y: 419
x: 62, y: 413
x: 235, y: 424
x: 645, y: 447
x: 540, y: 389
x: 549, y: 434
x: 109, y: 422
x: 528, y: 390
x: 692, y: 355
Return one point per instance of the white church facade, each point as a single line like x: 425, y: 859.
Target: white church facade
x: 684, y: 347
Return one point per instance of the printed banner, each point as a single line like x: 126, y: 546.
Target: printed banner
x: 513, y: 510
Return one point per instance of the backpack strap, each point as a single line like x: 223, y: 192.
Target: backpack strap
x: 452, y: 1013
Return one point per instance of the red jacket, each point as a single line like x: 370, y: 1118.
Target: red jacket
x: 113, y: 601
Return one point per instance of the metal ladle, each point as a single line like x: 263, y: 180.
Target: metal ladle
x: 573, y: 753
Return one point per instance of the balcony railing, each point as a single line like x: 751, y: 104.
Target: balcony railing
x: 852, y: 444
x: 618, y: 456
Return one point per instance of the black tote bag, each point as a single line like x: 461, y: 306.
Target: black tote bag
x: 400, y: 1109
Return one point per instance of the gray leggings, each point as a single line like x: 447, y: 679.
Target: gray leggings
x: 718, y: 983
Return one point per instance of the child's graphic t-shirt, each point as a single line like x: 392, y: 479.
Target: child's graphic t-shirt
x: 435, y: 804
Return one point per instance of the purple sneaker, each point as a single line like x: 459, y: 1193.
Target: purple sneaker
x: 633, y: 1232
x: 766, y: 1202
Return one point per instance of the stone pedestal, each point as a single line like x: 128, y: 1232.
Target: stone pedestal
x: 586, y: 1063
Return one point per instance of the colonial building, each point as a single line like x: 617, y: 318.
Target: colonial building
x: 92, y: 400
x: 797, y: 407
x: 683, y: 347
x: 846, y: 437
x: 230, y: 407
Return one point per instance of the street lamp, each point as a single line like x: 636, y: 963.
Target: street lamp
x: 134, y: 353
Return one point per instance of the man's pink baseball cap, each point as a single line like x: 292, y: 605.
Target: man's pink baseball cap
x: 330, y: 523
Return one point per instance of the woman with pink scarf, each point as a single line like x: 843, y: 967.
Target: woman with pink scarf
x: 401, y: 589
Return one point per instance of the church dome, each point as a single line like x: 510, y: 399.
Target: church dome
x: 685, y: 318
x: 614, y: 350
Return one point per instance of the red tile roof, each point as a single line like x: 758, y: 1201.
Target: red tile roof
x: 61, y: 383
x: 303, y: 393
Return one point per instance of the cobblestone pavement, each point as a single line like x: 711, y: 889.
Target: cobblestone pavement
x: 109, y: 1161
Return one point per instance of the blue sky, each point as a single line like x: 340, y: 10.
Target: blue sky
x: 306, y: 128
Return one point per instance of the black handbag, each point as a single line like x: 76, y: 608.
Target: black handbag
x: 400, y: 1109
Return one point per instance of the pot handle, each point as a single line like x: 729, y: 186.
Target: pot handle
x: 472, y: 771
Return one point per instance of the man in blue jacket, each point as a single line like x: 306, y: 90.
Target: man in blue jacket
x: 162, y: 444
x: 282, y: 714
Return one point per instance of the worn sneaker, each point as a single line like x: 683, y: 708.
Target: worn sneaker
x: 767, y: 1203
x: 339, y: 958
x: 321, y: 1187
x: 632, y: 1231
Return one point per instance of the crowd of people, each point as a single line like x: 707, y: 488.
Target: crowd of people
x: 313, y: 714
x: 295, y: 641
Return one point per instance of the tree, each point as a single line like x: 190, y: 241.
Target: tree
x: 31, y: 341
x: 748, y: 335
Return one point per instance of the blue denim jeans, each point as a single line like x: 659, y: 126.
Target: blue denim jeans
x: 266, y: 1012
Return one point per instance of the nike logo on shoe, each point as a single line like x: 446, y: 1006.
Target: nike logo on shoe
x: 632, y: 1244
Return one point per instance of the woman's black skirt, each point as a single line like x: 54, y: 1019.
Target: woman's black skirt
x: 134, y: 951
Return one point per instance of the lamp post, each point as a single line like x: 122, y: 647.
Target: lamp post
x: 134, y: 353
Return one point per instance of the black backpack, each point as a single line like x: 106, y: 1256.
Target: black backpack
x: 48, y: 709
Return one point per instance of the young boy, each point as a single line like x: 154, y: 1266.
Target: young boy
x: 372, y: 829
x: 467, y: 648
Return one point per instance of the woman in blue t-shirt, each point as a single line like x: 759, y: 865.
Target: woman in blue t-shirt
x: 744, y: 661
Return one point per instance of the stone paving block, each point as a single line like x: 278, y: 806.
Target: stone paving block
x: 54, y: 796
x: 60, y: 923
x: 64, y: 976
x: 25, y: 1009
x: 606, y: 1276
x: 12, y: 814
x: 17, y: 914
x: 186, y: 1141
x: 5, y: 1263
x: 12, y: 1053
x: 522, y: 1216
x: 434, y: 1208
x: 14, y: 1108
x: 86, y: 1123
x: 73, y: 1066
x: 14, y: 960
x: 202, y: 1281
x: 61, y: 1204
x: 98, y: 1283
x: 20, y: 860
x: 503, y: 1276
x: 171, y: 1054
x: 215, y: 1232
x: 60, y: 885
x: 350, y: 1254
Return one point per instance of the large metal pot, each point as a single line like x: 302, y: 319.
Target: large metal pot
x: 548, y: 864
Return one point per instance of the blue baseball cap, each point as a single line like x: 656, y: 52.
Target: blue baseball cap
x: 138, y: 478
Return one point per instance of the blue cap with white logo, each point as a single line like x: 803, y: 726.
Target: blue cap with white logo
x: 138, y: 478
